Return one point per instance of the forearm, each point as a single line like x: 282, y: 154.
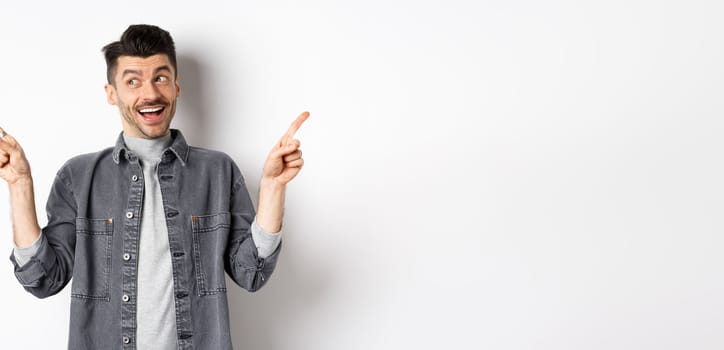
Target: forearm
x: 25, y: 221
x: 270, y: 209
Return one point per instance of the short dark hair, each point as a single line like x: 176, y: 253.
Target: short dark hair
x: 140, y: 40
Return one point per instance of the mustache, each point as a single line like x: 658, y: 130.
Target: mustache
x: 155, y: 102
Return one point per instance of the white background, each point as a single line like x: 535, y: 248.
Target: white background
x: 479, y: 174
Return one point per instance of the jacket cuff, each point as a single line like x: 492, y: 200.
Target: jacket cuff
x: 266, y: 243
x: 23, y: 255
x: 32, y: 272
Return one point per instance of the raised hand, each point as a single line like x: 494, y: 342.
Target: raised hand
x: 285, y: 159
x: 14, y: 169
x: 13, y: 164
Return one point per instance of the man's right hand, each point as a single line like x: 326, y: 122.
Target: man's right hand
x: 14, y: 167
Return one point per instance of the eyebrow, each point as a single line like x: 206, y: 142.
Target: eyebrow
x: 137, y: 72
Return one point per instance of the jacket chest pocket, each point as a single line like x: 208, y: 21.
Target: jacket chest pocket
x: 210, y: 235
x: 92, y: 265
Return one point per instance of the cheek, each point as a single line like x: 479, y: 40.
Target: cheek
x: 126, y: 106
x: 126, y: 101
x: 170, y: 94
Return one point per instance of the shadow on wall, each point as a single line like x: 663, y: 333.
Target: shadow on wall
x: 194, y: 109
x: 298, y: 284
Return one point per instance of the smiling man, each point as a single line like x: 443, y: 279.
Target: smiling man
x: 145, y: 90
x: 147, y: 229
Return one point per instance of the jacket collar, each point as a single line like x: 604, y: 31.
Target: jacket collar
x: 178, y: 148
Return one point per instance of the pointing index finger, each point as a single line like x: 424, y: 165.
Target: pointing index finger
x: 295, y: 126
x: 6, y: 138
x: 5, y: 146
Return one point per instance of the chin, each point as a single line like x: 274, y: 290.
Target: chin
x: 151, y: 132
x: 157, y: 133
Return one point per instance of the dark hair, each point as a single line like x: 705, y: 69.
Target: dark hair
x: 140, y: 40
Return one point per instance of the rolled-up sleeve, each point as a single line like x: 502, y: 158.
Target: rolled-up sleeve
x: 243, y: 263
x: 47, y: 270
x: 23, y: 255
x: 266, y: 242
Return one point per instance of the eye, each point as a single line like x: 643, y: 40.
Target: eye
x: 133, y: 82
x: 161, y: 79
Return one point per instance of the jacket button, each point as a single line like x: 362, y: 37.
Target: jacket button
x: 125, y: 297
x: 126, y: 340
x: 134, y: 178
x: 126, y: 257
x: 129, y: 215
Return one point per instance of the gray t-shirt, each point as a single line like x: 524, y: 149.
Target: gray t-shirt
x: 156, y: 314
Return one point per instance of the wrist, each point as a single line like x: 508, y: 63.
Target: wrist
x: 269, y: 184
x: 21, y: 183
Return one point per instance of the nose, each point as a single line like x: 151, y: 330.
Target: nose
x: 149, y: 91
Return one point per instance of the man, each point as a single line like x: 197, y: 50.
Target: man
x: 147, y: 228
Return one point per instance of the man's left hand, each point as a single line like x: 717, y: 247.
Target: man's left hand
x: 285, y: 159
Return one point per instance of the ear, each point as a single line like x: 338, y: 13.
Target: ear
x: 110, y: 94
x: 178, y: 87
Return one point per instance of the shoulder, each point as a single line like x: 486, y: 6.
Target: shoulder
x: 195, y: 156
x: 206, y: 154
x: 215, y: 160
x: 82, y: 163
x: 210, y: 157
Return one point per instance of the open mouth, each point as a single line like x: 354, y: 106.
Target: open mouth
x: 151, y: 114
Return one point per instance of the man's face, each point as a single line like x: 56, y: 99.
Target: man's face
x: 145, y: 92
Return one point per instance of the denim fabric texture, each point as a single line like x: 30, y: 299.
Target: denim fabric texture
x: 94, y: 219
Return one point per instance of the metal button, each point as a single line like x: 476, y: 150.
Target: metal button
x: 129, y: 215
x: 125, y: 297
x: 126, y: 257
x: 134, y: 178
x: 126, y: 340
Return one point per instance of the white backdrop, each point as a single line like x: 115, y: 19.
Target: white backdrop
x: 479, y: 174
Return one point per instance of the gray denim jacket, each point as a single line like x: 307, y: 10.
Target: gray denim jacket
x: 92, y: 235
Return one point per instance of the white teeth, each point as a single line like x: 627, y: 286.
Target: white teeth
x: 150, y: 110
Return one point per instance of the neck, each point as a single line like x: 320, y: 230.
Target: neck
x: 148, y: 149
